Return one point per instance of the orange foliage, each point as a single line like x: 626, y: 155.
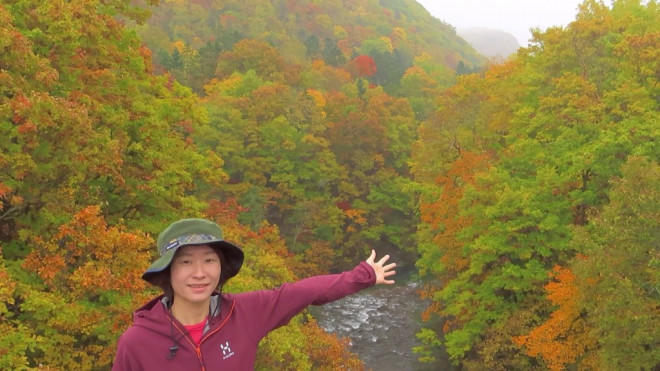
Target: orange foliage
x: 355, y: 218
x: 328, y: 352
x: 344, y: 46
x: 225, y: 213
x: 27, y: 127
x: 91, y: 277
x: 564, y: 337
x: 315, y: 260
x: 87, y: 257
x: 4, y: 192
x: 249, y: 54
x: 443, y: 213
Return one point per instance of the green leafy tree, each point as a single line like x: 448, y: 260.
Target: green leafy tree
x: 555, y: 152
x: 620, y: 276
x: 73, y: 295
x: 86, y: 124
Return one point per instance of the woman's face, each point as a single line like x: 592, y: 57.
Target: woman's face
x: 194, y: 274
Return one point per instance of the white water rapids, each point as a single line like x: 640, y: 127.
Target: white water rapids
x: 381, y: 323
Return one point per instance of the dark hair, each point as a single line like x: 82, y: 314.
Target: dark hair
x: 163, y: 278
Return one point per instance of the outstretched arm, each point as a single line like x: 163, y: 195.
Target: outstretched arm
x: 277, y: 307
x: 270, y: 309
x: 382, y: 271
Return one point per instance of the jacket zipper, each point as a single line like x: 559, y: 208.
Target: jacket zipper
x: 198, y: 348
x: 199, y: 353
x: 231, y: 310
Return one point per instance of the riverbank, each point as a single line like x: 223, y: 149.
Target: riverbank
x: 381, y: 323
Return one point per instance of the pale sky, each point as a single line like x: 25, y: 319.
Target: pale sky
x: 513, y: 16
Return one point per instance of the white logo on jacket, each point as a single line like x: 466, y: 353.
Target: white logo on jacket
x: 226, y: 350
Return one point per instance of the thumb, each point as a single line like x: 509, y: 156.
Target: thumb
x: 372, y: 257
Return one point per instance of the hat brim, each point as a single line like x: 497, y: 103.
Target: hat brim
x: 233, y: 260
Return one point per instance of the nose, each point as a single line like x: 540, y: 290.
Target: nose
x: 198, y: 270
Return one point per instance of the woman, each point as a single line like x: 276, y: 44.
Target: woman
x: 193, y: 323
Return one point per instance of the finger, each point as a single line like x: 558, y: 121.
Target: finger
x: 388, y: 282
x: 383, y: 259
x: 390, y: 273
x: 372, y: 257
x: 389, y: 266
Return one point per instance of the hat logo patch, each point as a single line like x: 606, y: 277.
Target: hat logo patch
x: 172, y: 244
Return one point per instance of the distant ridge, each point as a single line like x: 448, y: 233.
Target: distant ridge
x: 490, y: 42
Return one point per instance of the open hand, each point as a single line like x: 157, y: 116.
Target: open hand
x: 382, y: 271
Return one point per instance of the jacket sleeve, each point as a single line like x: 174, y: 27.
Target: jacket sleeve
x: 270, y: 309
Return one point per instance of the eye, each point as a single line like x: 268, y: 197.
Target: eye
x: 185, y: 261
x: 211, y: 260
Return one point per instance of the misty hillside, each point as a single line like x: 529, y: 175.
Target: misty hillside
x: 490, y: 42
x: 393, y: 32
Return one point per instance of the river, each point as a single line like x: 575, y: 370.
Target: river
x: 381, y: 323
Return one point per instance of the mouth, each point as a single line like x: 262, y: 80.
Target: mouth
x: 199, y: 286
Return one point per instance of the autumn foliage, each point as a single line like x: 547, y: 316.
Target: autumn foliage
x: 564, y: 336
x: 363, y: 65
x: 526, y: 193
x: 545, y: 258
x: 89, y: 283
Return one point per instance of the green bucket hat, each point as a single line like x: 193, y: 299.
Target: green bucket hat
x: 193, y: 232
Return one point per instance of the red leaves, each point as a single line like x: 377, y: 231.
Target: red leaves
x: 343, y: 205
x: 27, y: 127
x: 225, y: 212
x: 363, y: 65
x: 19, y: 104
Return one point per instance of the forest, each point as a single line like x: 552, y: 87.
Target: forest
x: 526, y: 192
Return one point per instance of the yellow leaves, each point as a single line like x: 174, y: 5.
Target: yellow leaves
x: 180, y: 46
x: 340, y: 32
x: 640, y: 55
x: 217, y: 88
x: 398, y: 34
x: 422, y: 58
x: 414, y: 71
x: 315, y: 140
x: 318, y: 96
x: 387, y: 42
x: 324, y: 21
x: 16, y: 200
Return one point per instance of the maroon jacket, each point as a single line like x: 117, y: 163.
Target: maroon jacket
x: 231, y: 338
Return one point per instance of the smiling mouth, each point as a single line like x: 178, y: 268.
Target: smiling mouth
x: 200, y: 286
